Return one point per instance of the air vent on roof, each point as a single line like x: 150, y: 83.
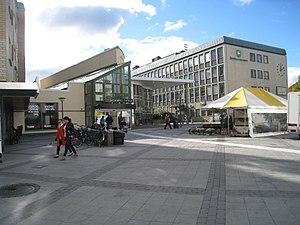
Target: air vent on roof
x: 156, y: 58
x: 135, y: 67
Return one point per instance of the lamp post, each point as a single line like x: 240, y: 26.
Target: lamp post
x: 180, y: 109
x: 62, y: 105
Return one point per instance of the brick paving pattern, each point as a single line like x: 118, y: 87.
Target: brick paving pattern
x: 156, y: 178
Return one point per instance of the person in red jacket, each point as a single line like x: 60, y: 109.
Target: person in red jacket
x: 60, y: 137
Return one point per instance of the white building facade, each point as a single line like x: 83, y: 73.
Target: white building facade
x: 218, y: 67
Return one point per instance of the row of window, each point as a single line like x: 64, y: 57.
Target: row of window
x: 197, y: 94
x: 202, y: 77
x: 259, y: 58
x: 265, y: 88
x: 201, y: 61
x: 259, y: 74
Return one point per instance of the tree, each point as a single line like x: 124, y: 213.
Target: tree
x: 296, y: 87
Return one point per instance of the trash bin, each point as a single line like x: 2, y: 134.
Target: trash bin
x: 119, y: 137
x: 109, y: 138
x: 175, y: 124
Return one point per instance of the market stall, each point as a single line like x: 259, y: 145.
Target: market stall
x: 253, y: 111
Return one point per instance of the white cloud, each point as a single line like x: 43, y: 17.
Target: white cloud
x: 242, y: 2
x: 293, y: 74
x: 51, y: 45
x: 174, y: 25
x: 164, y: 4
x: 231, y: 34
x: 142, y: 52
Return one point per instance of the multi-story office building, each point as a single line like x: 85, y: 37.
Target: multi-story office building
x: 218, y: 67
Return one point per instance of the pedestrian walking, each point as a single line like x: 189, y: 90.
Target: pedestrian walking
x: 60, y: 137
x: 120, y: 121
x: 109, y: 121
x: 102, y: 122
x: 69, y: 132
x: 167, y: 121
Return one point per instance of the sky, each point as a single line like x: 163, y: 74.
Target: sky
x: 61, y: 33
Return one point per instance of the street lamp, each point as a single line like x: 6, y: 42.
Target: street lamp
x: 180, y: 116
x: 62, y: 105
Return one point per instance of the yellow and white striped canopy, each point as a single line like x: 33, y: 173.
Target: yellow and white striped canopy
x: 246, y: 97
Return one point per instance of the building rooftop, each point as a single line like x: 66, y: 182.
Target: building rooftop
x: 205, y: 46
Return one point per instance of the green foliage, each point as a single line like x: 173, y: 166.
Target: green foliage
x: 296, y: 87
x: 202, y: 131
x: 160, y: 114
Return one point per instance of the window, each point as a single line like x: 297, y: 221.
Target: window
x: 213, y: 57
x: 209, y: 93
x: 207, y: 59
x: 197, y: 78
x: 253, y: 73
x: 190, y: 62
x: 191, y: 77
x: 220, y: 55
x: 260, y: 74
x: 196, y: 62
x: 192, y: 100
x: 201, y: 61
x: 266, y: 75
x: 159, y: 72
x: 221, y: 72
x: 259, y: 58
x: 266, y: 59
x: 221, y: 89
x: 208, y: 76
x: 197, y: 94
x: 180, y: 67
x: 202, y: 77
x: 163, y: 72
x: 41, y: 116
x: 252, y: 57
x: 171, y: 69
x: 176, y: 69
x: 202, y: 94
x: 99, y: 87
x: 214, y: 74
x: 215, y: 91
x: 185, y: 66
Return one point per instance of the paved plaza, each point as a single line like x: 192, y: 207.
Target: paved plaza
x: 158, y: 177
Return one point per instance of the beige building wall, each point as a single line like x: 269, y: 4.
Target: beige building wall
x: 238, y: 69
x: 110, y: 57
x: 73, y: 104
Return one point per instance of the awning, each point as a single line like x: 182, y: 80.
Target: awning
x: 18, y: 93
x: 246, y: 97
x: 156, y: 83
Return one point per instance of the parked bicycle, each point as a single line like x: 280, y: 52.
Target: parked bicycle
x: 88, y: 136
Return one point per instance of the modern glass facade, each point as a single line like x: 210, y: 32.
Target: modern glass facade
x: 143, y: 100
x: 110, y: 92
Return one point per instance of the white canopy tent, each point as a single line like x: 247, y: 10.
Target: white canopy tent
x: 254, y: 110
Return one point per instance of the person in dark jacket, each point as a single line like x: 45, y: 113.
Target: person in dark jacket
x: 109, y: 121
x: 168, y: 121
x: 69, y: 132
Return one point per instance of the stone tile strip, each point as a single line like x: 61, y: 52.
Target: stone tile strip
x: 213, y: 206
